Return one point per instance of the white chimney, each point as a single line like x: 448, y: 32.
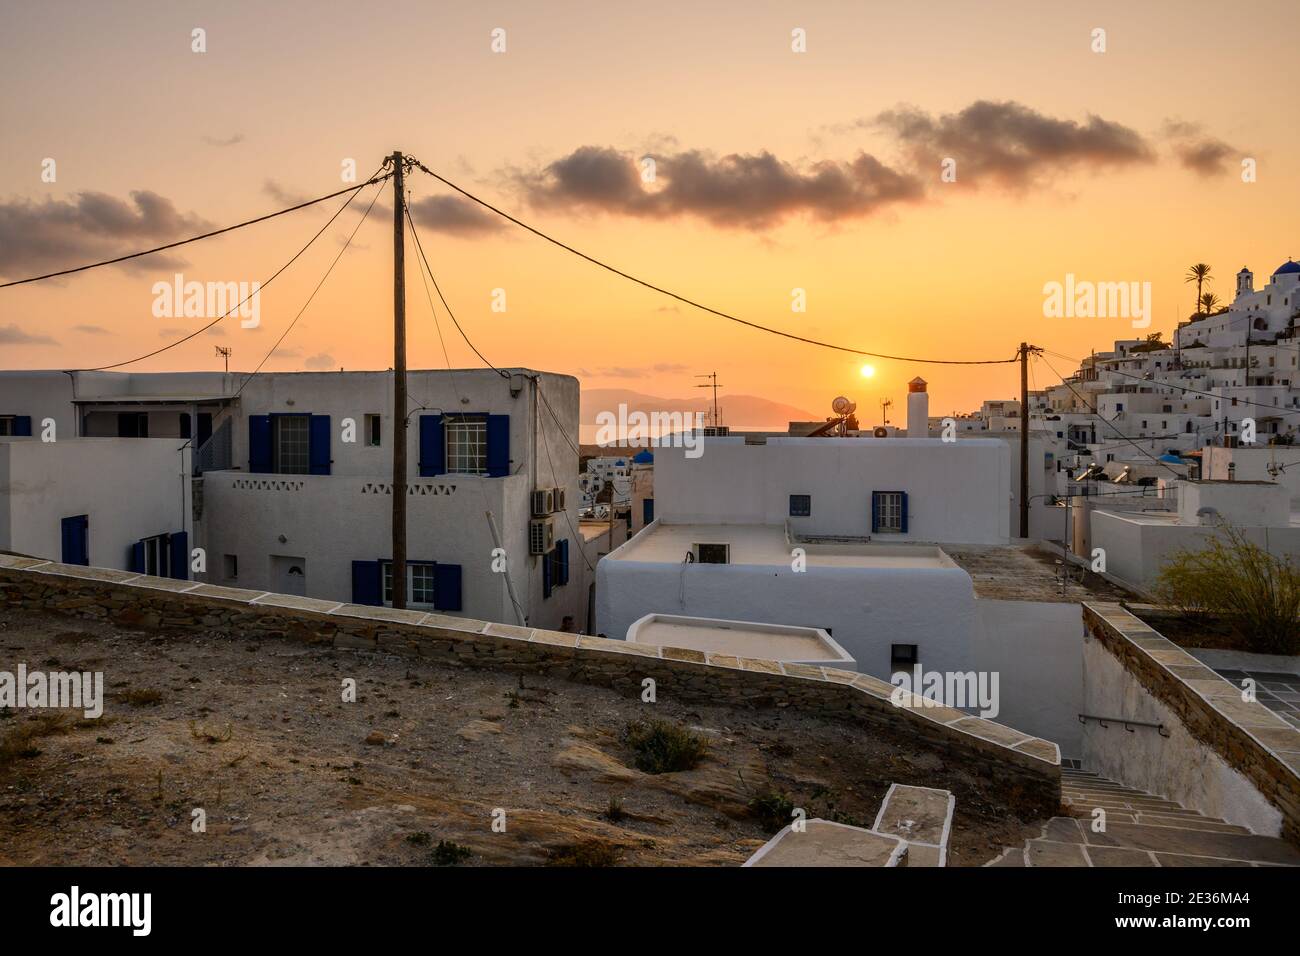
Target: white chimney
x: 918, y: 409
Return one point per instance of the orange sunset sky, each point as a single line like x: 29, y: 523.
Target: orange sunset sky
x: 775, y: 170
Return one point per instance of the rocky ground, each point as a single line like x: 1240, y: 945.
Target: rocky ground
x: 257, y: 735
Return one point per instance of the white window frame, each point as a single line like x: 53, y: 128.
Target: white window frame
x: 465, y: 445
x: 425, y: 577
x: 889, y: 512
x: 280, y: 448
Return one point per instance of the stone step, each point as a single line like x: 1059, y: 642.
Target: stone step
x: 1141, y: 830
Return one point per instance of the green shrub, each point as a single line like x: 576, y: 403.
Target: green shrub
x: 772, y: 809
x: 660, y: 746
x: 447, y: 853
x: 1254, y: 592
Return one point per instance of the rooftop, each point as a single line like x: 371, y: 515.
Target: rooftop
x: 756, y: 544
x: 777, y: 642
x: 1027, y: 573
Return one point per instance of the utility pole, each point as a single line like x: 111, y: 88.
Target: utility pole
x: 885, y: 403
x: 399, y: 386
x: 1024, y: 439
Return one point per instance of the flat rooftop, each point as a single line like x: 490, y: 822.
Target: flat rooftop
x: 757, y: 544
x: 1028, y: 573
x: 777, y: 642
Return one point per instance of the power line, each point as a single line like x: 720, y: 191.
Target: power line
x: 274, y: 276
x: 206, y: 235
x: 248, y: 378
x: 691, y: 302
x: 1114, y: 427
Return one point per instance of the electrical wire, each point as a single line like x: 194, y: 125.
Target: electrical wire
x: 233, y: 309
x: 248, y: 378
x: 694, y: 304
x: 206, y: 235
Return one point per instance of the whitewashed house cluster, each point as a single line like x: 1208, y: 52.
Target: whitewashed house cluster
x: 290, y: 486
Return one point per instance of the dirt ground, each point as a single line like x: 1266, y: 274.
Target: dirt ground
x: 257, y: 735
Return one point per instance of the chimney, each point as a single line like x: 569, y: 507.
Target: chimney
x: 918, y: 409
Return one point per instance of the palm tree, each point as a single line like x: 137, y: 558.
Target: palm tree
x: 1209, y: 302
x: 1199, y: 273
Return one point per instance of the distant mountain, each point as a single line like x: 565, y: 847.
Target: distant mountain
x: 738, y: 411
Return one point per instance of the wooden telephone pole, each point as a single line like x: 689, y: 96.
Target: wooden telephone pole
x: 1024, y: 352
x: 399, y: 386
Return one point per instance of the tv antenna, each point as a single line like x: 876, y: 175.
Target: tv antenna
x: 224, y: 351
x: 713, y: 384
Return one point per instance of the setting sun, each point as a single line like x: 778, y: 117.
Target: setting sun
x: 868, y: 371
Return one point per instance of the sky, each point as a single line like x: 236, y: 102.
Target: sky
x: 774, y: 171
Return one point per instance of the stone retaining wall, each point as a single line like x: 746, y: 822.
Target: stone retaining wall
x: 1025, y: 768
x: 1249, y: 738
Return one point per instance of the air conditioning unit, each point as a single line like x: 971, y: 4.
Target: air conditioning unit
x: 543, y: 502
x: 557, y: 499
x: 541, y: 536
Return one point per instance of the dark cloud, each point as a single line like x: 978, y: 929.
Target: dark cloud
x: 228, y: 141
x: 455, y: 216
x: 55, y: 233
x: 736, y: 190
x: 1010, y: 143
x: 286, y: 197
x: 320, y: 362
x: 91, y: 329
x: 12, y: 335
x: 1203, y: 154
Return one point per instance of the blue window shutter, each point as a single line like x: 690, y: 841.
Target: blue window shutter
x: 875, y: 512
x: 318, y: 445
x: 498, y: 446
x: 23, y: 425
x: 647, y: 510
x: 564, y: 561
x: 446, y: 587
x: 366, y: 583
x: 178, y: 547
x: 75, y: 550
x: 902, y: 512
x: 135, y: 561
x: 546, y: 575
x: 259, y: 443
x: 433, y: 453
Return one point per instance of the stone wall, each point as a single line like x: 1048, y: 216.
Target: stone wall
x: 1024, y: 769
x: 1245, y: 759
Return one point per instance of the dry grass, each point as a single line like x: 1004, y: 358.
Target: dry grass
x: 19, y: 742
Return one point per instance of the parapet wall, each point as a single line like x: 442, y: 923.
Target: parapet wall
x: 1219, y: 754
x: 1026, y: 768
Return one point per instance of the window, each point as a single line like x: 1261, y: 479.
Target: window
x: 466, y: 446
x: 903, y: 655
x: 230, y: 566
x: 372, y: 431
x: 6, y: 425
x: 889, y: 512
x: 157, y: 556
x: 132, y: 424
x: 290, y: 444
x: 419, y: 583
x: 800, y: 506
x: 712, y: 553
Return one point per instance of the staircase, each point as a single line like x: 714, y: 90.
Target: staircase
x: 1141, y: 830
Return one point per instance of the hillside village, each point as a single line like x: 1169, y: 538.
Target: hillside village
x: 854, y: 580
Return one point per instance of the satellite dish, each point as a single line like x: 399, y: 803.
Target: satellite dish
x: 880, y: 431
x: 842, y: 406
x: 853, y: 407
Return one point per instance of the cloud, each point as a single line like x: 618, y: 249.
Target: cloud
x: 1010, y: 143
x: 12, y: 335
x: 291, y: 352
x: 55, y: 233
x: 320, y: 361
x: 736, y: 190
x: 1203, y: 154
x: 91, y: 329
x: 286, y: 197
x: 228, y: 141
x: 638, y: 371
x: 454, y: 215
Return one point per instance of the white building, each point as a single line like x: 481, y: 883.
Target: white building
x: 292, y: 483
x: 105, y: 502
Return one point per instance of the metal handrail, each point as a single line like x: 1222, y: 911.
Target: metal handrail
x: 1126, y: 722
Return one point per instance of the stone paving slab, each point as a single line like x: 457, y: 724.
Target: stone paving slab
x: 824, y: 843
